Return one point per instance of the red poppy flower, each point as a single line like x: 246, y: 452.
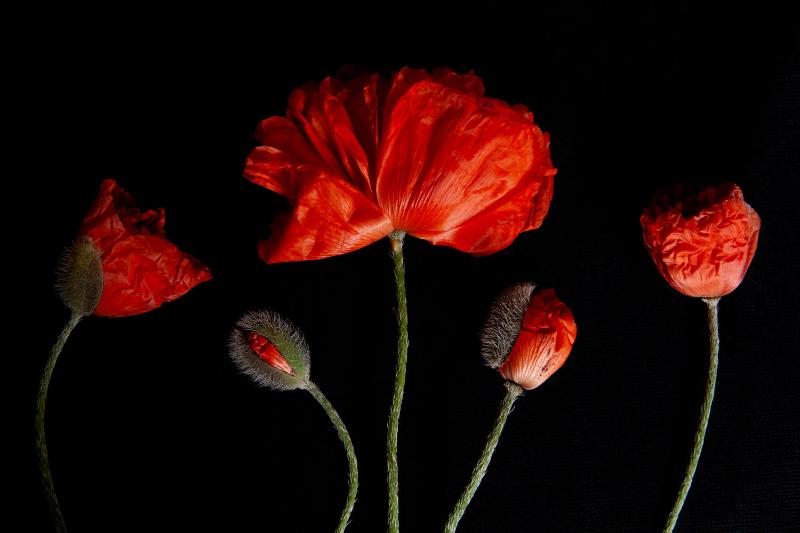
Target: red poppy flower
x: 427, y: 154
x: 702, y: 243
x: 141, y: 268
x: 544, y: 342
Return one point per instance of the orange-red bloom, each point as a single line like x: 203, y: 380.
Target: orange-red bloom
x: 141, y: 268
x: 545, y: 340
x: 702, y: 243
x: 423, y: 153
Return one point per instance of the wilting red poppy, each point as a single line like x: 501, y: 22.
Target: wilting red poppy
x: 545, y: 340
x: 702, y: 243
x: 427, y: 154
x: 141, y: 268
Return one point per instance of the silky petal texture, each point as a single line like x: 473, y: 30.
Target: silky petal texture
x: 429, y: 152
x: 544, y: 342
x: 285, y: 160
x: 702, y: 244
x: 325, y: 122
x: 361, y: 98
x: 446, y: 156
x: 330, y: 217
x: 141, y: 269
x: 496, y: 226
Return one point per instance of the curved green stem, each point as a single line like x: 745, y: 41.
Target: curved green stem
x: 348, y: 449
x: 513, y: 391
x: 705, y: 412
x: 399, y: 383
x: 41, y: 441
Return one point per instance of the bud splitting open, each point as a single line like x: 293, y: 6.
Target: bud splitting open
x: 528, y: 335
x: 271, y: 350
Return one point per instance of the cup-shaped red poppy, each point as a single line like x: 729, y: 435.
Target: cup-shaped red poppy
x: 703, y: 241
x: 529, y: 335
x: 427, y: 154
x: 141, y: 268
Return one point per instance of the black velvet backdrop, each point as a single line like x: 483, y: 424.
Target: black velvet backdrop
x: 150, y: 426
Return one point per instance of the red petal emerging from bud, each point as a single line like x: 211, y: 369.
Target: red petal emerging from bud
x: 268, y: 352
x: 544, y: 342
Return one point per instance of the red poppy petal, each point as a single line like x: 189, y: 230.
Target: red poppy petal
x: 330, y: 217
x: 142, y: 272
x: 114, y: 216
x: 102, y: 223
x: 402, y: 81
x: 446, y: 155
x: 498, y: 225
x: 284, y: 159
x: 325, y: 122
x: 406, y: 78
x: 361, y: 98
x: 532, y: 360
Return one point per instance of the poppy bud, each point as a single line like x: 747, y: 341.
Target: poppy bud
x: 528, y: 336
x: 271, y: 350
x: 80, y: 277
x: 701, y: 242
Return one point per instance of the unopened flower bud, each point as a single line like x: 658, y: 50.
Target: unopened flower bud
x: 80, y: 277
x: 528, y: 335
x: 271, y: 350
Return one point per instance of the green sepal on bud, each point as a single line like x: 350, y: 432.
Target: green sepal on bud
x: 80, y: 277
x: 271, y: 350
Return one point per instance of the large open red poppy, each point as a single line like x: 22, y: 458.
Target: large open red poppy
x: 427, y: 154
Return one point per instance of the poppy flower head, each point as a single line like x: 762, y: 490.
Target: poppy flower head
x: 424, y: 153
x: 271, y: 350
x: 141, y: 268
x: 701, y: 240
x: 528, y: 335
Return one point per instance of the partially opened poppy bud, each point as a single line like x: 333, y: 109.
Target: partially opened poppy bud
x: 80, y: 277
x: 528, y: 335
x: 701, y: 242
x: 271, y: 350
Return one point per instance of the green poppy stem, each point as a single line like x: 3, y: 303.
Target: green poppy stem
x: 705, y: 412
x: 399, y: 383
x: 352, y: 463
x: 41, y: 441
x: 513, y: 391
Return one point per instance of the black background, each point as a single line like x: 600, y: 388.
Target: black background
x: 150, y: 426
